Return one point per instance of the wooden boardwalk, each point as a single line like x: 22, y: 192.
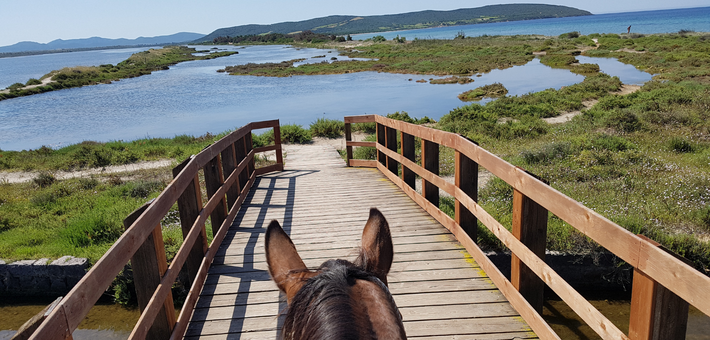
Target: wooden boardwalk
x: 441, y: 292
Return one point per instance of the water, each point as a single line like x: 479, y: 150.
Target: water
x: 21, y: 69
x: 193, y: 98
x: 646, y: 22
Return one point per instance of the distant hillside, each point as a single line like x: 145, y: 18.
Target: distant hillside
x: 348, y: 24
x: 99, y: 42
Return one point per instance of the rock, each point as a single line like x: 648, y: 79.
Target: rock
x: 41, y: 278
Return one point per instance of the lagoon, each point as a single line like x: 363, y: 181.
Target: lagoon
x: 193, y: 98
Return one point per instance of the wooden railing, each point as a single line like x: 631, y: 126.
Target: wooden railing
x: 663, y: 283
x: 142, y: 243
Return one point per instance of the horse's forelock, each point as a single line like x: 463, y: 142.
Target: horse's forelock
x: 324, y: 309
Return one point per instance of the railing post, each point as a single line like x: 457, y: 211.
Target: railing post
x: 348, y: 138
x: 277, y: 142
x: 240, y: 151
x: 382, y: 140
x: 530, y: 227
x: 214, y: 178
x: 466, y: 180
x: 229, y: 163
x: 408, y: 151
x: 656, y: 312
x: 430, y: 161
x: 391, y: 140
x: 149, y: 265
x: 189, y: 205
x: 248, y: 146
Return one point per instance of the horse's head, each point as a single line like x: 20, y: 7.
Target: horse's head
x: 341, y: 299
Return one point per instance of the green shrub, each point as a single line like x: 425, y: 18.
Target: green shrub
x: 494, y: 90
x: 295, y: 134
x: 329, y: 128
x: 622, y: 121
x: 16, y: 87
x: 680, y: 145
x: 558, y: 60
x: 364, y: 127
x: 547, y: 153
x: 264, y: 139
x: 33, y: 81
x: 569, y: 35
x: 404, y: 116
x: 366, y: 152
x: 44, y: 179
x: 378, y: 38
x: 585, y: 69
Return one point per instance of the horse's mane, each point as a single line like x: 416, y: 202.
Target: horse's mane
x: 322, y: 308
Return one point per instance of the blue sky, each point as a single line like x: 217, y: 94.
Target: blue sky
x: 46, y: 20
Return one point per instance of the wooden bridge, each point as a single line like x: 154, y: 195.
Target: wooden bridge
x: 443, y: 283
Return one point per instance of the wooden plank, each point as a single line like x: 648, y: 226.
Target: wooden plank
x: 382, y: 141
x: 530, y: 228
x: 430, y: 161
x: 463, y: 326
x: 360, y: 119
x: 195, y: 289
x: 444, y: 277
x: 229, y: 163
x: 408, y: 152
x: 656, y: 312
x: 361, y: 144
x: 149, y: 264
x: 363, y: 163
x: 348, y: 139
x: 214, y: 178
x: 391, y: 144
x: 86, y: 292
x: 533, y: 318
x: 466, y: 179
x: 189, y: 206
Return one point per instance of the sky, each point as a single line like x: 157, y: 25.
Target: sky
x: 46, y: 20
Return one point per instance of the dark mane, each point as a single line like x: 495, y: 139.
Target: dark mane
x: 322, y: 308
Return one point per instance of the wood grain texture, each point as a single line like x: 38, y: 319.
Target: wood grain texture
x: 323, y: 205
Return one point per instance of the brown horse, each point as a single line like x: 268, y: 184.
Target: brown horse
x: 340, y: 299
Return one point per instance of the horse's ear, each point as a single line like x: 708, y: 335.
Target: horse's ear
x: 377, y: 247
x: 285, y: 265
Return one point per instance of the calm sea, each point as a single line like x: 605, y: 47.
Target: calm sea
x: 192, y: 98
x: 647, y: 22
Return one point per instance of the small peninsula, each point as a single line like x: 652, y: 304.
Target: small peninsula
x: 136, y: 65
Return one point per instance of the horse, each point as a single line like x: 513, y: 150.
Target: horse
x: 340, y: 299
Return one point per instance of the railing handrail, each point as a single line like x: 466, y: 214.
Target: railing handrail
x: 644, y: 255
x: 65, y: 318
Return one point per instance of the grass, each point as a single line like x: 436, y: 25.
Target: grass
x: 90, y: 154
x: 460, y: 57
x: 640, y: 159
x: 81, y: 217
x: 494, y: 90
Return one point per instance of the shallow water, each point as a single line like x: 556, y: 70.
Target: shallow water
x: 116, y: 322
x: 105, y: 321
x: 193, y: 98
x: 568, y: 325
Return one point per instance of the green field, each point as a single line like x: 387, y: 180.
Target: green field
x: 640, y: 159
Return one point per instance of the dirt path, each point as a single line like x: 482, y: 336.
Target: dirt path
x: 26, y: 176
x: 45, y: 81
x: 567, y: 116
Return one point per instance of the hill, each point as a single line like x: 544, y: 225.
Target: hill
x: 349, y: 24
x: 95, y: 42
